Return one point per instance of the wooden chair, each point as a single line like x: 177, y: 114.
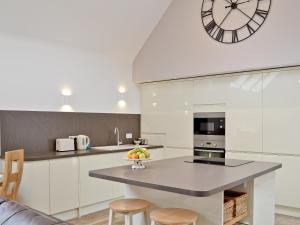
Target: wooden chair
x: 12, y: 175
x: 128, y: 207
x: 173, y: 216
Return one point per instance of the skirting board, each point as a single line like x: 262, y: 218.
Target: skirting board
x: 288, y: 211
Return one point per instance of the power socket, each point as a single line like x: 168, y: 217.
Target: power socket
x: 128, y: 135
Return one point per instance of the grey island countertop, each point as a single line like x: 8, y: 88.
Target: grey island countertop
x: 58, y: 155
x: 176, y: 175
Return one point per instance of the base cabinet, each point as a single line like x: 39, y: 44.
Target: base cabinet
x: 64, y: 190
x: 35, y: 186
x: 287, y: 185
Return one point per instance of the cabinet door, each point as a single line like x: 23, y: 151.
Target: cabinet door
x: 156, y: 154
x: 64, y: 193
x: 151, y: 109
x: 210, y: 90
x: 244, y: 156
x: 287, y: 185
x: 94, y: 190
x: 177, y: 106
x: 177, y: 152
x: 244, y: 113
x: 34, y: 188
x: 281, y: 110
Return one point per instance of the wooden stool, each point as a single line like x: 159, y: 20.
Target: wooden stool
x: 173, y: 216
x: 128, y: 207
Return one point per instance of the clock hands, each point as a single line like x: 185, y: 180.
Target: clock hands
x: 223, y: 21
x: 248, y: 16
x: 235, y: 4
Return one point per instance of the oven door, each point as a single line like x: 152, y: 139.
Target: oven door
x: 209, y: 152
x: 209, y: 126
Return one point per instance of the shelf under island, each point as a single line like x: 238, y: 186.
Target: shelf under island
x: 200, y: 187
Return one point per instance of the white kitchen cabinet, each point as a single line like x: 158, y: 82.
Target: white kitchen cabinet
x: 64, y: 188
x: 281, y: 110
x: 167, y: 109
x: 177, y: 152
x: 244, y: 113
x: 34, y: 188
x: 210, y: 90
x: 152, y: 116
x: 287, y: 182
x: 244, y: 156
x: 93, y: 190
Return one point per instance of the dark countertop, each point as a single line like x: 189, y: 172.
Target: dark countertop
x: 58, y: 155
x: 175, y: 175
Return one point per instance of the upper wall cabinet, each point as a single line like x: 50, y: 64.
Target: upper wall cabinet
x: 168, y: 108
x: 151, y: 109
x: 210, y: 91
x: 244, y: 113
x: 281, y: 110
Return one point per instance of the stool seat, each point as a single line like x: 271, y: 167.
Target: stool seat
x: 174, y: 216
x: 129, y: 205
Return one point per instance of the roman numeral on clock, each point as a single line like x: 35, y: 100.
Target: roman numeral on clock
x: 210, y: 26
x: 220, y: 34
x: 250, y: 29
x: 206, y: 13
x: 235, y: 37
x: 262, y: 13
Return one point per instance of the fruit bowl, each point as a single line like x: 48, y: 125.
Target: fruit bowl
x: 138, y: 155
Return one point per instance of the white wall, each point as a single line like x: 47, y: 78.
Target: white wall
x: 180, y: 47
x: 33, y: 72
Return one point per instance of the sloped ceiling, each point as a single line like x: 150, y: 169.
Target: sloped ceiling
x: 118, y: 27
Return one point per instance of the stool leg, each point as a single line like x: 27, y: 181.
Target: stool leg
x: 153, y: 222
x: 194, y: 223
x: 111, y: 217
x: 128, y: 219
x: 146, y: 217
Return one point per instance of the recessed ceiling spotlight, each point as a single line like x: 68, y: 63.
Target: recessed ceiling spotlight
x: 122, y: 104
x: 66, y: 108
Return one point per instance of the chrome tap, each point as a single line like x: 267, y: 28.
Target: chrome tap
x: 116, y: 131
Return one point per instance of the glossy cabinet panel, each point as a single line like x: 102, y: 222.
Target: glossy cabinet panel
x: 177, y: 152
x: 35, y: 186
x: 210, y: 90
x: 167, y: 108
x: 244, y: 156
x: 287, y: 182
x: 281, y: 110
x: 244, y: 113
x: 93, y: 190
x: 64, y: 189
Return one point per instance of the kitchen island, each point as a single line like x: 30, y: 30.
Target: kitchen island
x: 200, y: 187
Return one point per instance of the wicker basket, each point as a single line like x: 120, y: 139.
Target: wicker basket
x: 240, y: 202
x: 228, y: 209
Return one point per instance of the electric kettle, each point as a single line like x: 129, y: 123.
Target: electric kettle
x: 82, y: 142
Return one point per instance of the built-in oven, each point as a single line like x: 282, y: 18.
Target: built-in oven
x: 209, y: 135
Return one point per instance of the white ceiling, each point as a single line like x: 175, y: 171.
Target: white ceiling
x: 109, y: 26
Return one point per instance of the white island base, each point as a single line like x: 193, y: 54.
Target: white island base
x: 261, y: 202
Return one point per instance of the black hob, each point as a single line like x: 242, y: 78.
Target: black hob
x: 219, y: 161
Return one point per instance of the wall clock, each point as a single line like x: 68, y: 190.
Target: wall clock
x: 232, y: 21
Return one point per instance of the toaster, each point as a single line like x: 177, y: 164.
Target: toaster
x: 64, y: 145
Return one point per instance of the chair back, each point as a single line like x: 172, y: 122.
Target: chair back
x: 12, y: 175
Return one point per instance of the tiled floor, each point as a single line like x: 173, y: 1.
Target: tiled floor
x: 101, y: 218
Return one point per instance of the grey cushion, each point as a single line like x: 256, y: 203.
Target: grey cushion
x: 13, y: 213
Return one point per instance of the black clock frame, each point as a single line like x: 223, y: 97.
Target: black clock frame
x: 235, y: 30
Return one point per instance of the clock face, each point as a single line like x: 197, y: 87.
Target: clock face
x: 232, y: 21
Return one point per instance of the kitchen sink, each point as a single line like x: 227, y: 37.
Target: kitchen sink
x: 116, y: 147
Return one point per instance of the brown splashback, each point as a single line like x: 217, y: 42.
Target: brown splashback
x: 36, y: 131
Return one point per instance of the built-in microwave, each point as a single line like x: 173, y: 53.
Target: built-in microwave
x: 209, y: 123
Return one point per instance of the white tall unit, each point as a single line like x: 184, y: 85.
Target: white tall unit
x: 281, y: 110
x: 64, y: 188
x: 167, y: 112
x: 244, y: 113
